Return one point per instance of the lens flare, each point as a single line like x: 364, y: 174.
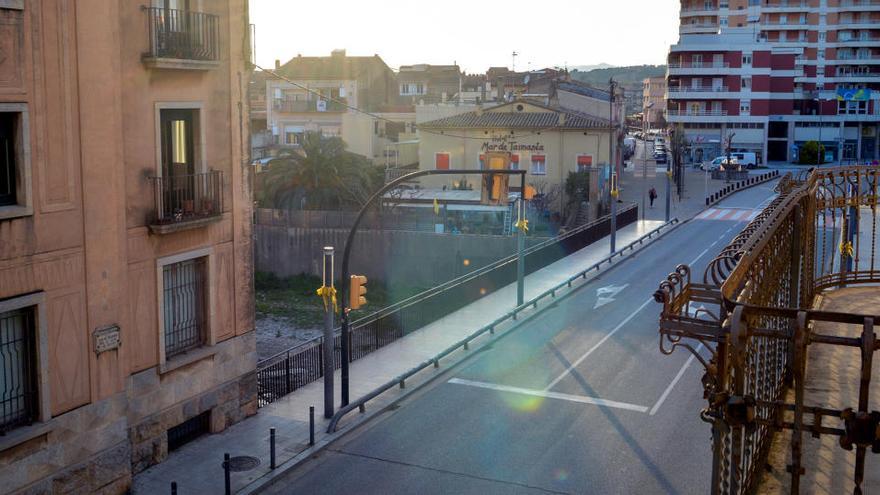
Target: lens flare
x: 560, y: 474
x: 483, y: 291
x: 523, y: 403
x: 466, y: 262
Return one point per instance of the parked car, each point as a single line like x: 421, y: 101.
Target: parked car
x: 720, y: 163
x: 660, y: 157
x: 747, y: 160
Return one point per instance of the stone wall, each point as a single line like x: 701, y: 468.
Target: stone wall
x: 103, y: 444
x: 412, y: 259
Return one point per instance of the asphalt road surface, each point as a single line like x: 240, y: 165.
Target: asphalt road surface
x: 577, y: 400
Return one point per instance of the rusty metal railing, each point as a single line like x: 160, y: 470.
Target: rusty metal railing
x: 754, y: 313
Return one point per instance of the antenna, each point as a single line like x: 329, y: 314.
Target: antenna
x: 513, y: 68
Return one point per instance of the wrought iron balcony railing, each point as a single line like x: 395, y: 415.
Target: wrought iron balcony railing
x: 182, y: 35
x: 754, y: 310
x: 186, y: 199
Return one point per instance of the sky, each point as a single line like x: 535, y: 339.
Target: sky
x: 475, y: 34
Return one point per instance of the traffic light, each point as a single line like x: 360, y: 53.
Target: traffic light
x: 494, y: 191
x: 358, y: 290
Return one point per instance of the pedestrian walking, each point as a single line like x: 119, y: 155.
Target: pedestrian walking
x: 652, y: 195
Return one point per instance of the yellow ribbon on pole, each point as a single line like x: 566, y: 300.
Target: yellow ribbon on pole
x: 846, y: 249
x: 328, y: 294
x: 523, y: 225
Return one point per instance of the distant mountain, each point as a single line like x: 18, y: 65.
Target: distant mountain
x: 629, y: 77
x: 588, y: 68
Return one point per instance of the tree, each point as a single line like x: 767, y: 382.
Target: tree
x: 322, y: 175
x: 812, y: 153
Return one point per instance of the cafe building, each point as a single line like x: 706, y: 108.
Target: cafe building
x: 547, y: 142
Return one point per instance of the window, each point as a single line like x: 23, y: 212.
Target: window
x: 747, y: 59
x: 184, y: 305
x: 514, y: 162
x: 441, y: 161
x: 584, y: 162
x: 19, y: 401
x: 8, y: 189
x: 293, y: 135
x: 745, y: 107
x: 15, y: 170
x: 746, y: 83
x: 539, y: 165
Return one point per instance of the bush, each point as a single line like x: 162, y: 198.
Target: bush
x: 811, y: 152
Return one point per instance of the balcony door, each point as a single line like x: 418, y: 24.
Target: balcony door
x: 178, y: 141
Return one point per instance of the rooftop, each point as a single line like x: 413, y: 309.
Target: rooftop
x: 508, y: 117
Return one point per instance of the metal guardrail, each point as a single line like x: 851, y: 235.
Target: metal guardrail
x: 184, y: 198
x: 739, y: 186
x: 760, y: 324
x: 511, y: 315
x: 289, y: 370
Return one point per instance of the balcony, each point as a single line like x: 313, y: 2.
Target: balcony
x: 305, y: 106
x: 186, y: 201
x: 181, y: 39
x: 704, y: 28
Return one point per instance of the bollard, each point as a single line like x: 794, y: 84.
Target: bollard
x: 173, y: 488
x: 311, y: 425
x: 272, y: 448
x: 227, y: 480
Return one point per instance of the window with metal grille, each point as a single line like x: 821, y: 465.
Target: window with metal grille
x: 184, y: 306
x: 8, y: 122
x: 18, y: 382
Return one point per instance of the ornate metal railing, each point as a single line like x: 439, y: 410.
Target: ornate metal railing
x: 185, y: 198
x: 753, y: 312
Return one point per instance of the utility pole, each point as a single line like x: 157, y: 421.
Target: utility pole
x: 328, y: 350
x: 612, y: 139
x: 645, y: 112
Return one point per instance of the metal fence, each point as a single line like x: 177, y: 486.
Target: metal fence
x: 754, y: 312
x: 18, y: 384
x: 283, y: 373
x: 182, y: 34
x: 184, y: 198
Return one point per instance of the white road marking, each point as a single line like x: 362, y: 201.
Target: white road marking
x: 606, y: 295
x: 551, y: 395
x: 674, y: 382
x: 700, y: 256
x: 596, y: 346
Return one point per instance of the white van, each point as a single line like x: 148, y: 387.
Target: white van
x: 746, y: 160
x: 720, y: 163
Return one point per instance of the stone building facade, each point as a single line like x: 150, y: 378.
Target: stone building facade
x: 126, y: 288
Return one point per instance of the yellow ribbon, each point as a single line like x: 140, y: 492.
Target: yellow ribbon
x: 846, y: 249
x: 615, y: 193
x: 328, y: 294
x: 523, y: 225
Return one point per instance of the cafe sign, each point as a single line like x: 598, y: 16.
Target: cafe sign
x: 509, y: 144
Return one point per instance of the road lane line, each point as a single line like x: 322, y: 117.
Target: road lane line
x: 551, y: 395
x: 701, y: 255
x: 674, y: 382
x: 596, y: 346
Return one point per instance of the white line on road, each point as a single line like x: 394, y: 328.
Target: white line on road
x: 674, y: 382
x: 552, y: 395
x: 605, y: 338
x: 700, y: 256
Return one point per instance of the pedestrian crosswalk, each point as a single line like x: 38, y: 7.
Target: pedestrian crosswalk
x: 729, y: 214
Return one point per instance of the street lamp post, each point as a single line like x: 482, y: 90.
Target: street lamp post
x: 613, y: 161
x: 345, y: 350
x: 645, y: 154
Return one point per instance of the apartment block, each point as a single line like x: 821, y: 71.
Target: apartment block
x: 770, y: 75
x: 126, y: 301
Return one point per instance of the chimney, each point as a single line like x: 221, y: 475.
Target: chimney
x: 338, y: 53
x: 277, y: 64
x: 561, y: 118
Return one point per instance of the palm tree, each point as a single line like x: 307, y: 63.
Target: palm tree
x: 322, y: 175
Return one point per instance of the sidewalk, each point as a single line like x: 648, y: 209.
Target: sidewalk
x: 196, y: 467
x: 833, y: 374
